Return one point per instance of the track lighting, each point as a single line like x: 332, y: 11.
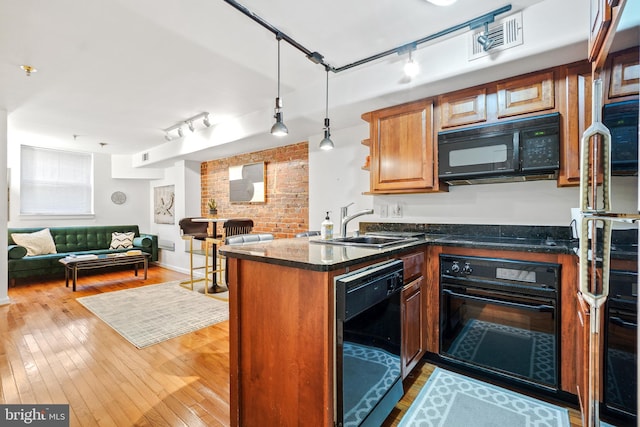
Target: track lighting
x: 485, y: 41
x: 327, y: 143
x: 278, y: 128
x: 411, y: 68
x: 190, y: 123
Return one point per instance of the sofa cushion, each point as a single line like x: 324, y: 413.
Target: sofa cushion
x: 37, y: 243
x: 17, y: 252
x: 143, y: 241
x: 121, y: 240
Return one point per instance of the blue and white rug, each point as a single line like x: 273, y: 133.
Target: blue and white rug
x: 452, y: 400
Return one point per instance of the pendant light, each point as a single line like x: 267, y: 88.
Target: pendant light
x: 279, y: 128
x: 327, y: 143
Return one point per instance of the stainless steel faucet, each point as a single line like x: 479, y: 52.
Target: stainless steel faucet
x: 344, y: 218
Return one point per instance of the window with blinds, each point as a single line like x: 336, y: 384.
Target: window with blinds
x: 55, y: 182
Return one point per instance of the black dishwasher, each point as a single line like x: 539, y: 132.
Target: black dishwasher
x: 367, y: 348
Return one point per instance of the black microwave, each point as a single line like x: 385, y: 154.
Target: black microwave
x: 514, y: 149
x: 621, y: 118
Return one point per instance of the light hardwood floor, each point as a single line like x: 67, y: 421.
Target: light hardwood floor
x: 53, y: 350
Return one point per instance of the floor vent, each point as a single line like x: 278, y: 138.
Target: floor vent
x: 504, y: 34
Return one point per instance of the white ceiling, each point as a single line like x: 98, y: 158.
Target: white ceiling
x: 119, y: 71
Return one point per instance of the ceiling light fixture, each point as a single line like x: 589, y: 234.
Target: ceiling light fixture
x: 28, y: 69
x: 279, y: 128
x: 190, y: 123
x: 327, y: 143
x: 317, y: 58
x: 411, y: 68
x: 485, y: 41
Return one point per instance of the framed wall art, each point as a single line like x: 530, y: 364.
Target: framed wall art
x: 164, y: 204
x: 247, y: 183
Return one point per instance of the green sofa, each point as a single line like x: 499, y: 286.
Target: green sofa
x: 72, y: 240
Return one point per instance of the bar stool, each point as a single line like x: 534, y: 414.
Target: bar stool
x: 215, y: 270
x: 190, y: 231
x: 232, y: 227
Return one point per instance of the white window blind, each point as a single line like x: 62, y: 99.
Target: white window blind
x: 54, y: 182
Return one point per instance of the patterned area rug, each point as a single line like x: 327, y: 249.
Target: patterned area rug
x: 523, y: 352
x: 452, y: 400
x: 155, y: 313
x: 374, y: 372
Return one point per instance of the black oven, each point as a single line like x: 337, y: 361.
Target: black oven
x: 620, y: 351
x: 367, y: 352
x: 520, y: 147
x: 501, y: 316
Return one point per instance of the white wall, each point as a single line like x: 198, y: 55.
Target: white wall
x: 133, y: 211
x: 185, y: 177
x: 336, y: 179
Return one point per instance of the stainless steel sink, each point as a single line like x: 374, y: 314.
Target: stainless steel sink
x: 367, y: 241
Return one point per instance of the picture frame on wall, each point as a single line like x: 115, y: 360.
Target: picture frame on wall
x: 247, y: 183
x: 164, y: 204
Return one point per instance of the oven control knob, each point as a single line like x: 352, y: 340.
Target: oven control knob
x: 455, y: 267
x: 467, y: 268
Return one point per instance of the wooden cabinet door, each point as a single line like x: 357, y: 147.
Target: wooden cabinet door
x: 624, y: 75
x: 576, y: 119
x: 526, y: 94
x: 463, y: 107
x: 600, y: 21
x: 413, y: 318
x: 402, y: 151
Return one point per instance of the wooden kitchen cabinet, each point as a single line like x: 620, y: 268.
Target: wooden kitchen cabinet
x: 464, y: 107
x: 599, y: 24
x: 529, y: 94
x: 413, y: 311
x: 413, y: 321
x: 576, y: 118
x: 623, y: 71
x: 402, y: 149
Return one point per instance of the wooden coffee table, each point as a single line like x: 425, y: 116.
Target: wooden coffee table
x: 73, y: 265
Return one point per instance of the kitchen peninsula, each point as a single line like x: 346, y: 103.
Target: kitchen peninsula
x: 282, y: 316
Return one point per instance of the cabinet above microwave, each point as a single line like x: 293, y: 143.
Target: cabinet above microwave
x: 516, y: 150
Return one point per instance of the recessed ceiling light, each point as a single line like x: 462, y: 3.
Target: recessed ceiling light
x: 442, y: 2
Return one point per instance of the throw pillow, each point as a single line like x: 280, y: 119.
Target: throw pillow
x: 121, y: 240
x: 37, y: 243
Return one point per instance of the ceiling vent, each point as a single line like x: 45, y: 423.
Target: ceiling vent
x: 503, y: 34
x: 145, y: 157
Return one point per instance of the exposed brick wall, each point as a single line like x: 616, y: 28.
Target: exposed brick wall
x: 286, y: 208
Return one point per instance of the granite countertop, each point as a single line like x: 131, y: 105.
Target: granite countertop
x: 302, y: 253
x: 305, y: 254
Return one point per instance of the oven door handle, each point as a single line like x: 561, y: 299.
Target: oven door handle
x: 618, y: 321
x: 539, y: 308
